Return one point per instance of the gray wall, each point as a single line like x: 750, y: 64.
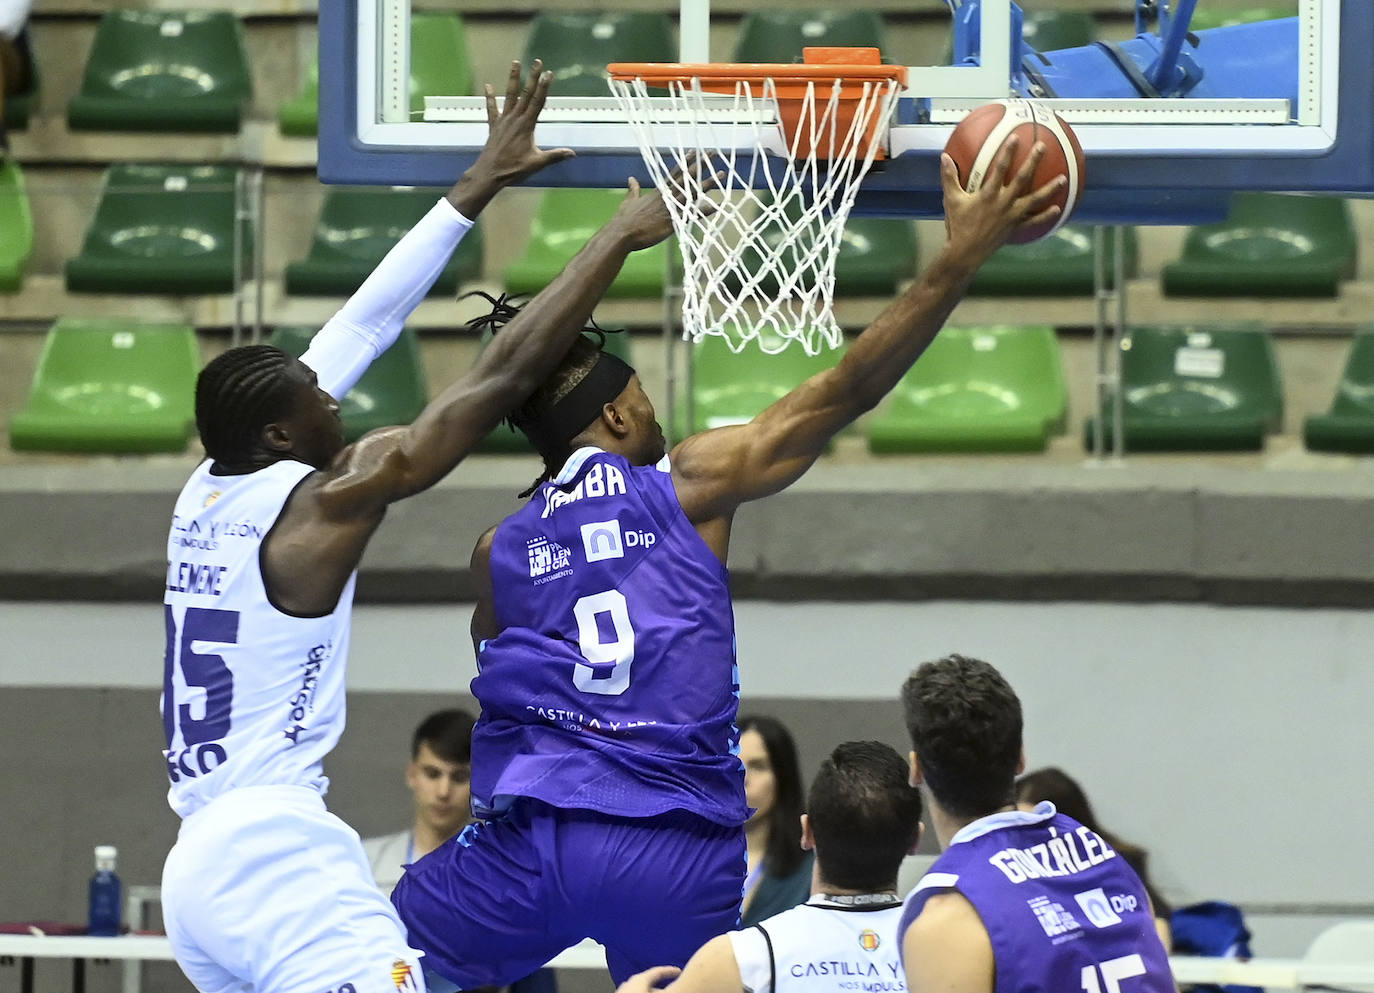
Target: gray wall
x: 1232, y: 741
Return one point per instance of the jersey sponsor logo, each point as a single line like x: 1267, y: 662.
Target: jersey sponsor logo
x: 205, y: 537
x: 601, y: 480
x: 548, y: 560
x: 403, y: 977
x: 1056, y: 921
x: 197, y: 760
x: 301, y: 702
x: 212, y: 497
x: 1102, y: 910
x: 869, y: 940
x: 604, y: 540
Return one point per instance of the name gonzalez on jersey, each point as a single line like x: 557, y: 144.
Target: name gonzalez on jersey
x: 1062, y: 855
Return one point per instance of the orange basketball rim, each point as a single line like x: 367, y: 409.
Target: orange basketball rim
x: 855, y: 71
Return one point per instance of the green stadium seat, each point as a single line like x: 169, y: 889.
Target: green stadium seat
x: 357, y: 227
x: 16, y: 227
x: 19, y: 106
x: 1271, y: 245
x: 563, y: 222
x: 780, y: 36
x: 1205, y: 17
x: 505, y: 440
x: 1060, y: 264
x: 164, y: 71
x: 1055, y: 30
x: 578, y: 46
x: 440, y: 65
x: 108, y: 386
x: 976, y: 389
x: 392, y: 391
x: 1213, y: 388
x: 733, y: 388
x: 1349, y: 425
x: 160, y: 229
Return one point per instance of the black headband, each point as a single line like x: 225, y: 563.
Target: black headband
x: 581, y: 405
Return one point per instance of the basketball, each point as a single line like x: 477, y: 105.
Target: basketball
x: 976, y: 141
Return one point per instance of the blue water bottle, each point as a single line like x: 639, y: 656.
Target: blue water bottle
x: 106, y: 895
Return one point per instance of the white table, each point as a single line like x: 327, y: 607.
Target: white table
x: 157, y: 948
x: 1267, y: 973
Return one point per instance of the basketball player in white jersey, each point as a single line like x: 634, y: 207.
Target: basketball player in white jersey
x: 265, y: 890
x: 862, y: 819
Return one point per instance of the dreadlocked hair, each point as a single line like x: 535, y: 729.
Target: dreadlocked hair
x: 237, y: 395
x: 581, y: 357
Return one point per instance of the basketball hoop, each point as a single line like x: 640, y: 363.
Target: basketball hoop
x: 793, y: 142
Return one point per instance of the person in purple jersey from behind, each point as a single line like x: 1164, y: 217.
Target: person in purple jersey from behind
x: 605, y: 752
x: 1020, y: 902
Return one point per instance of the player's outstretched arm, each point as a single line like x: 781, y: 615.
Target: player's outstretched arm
x: 947, y: 949
x: 712, y: 969
x: 369, y: 323
x: 715, y: 471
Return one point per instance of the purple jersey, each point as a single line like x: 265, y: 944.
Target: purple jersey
x: 612, y: 686
x: 1063, y: 910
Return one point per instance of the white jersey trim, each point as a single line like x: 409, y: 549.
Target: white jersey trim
x: 1043, y: 813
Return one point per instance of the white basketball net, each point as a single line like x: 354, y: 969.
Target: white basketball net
x: 762, y: 265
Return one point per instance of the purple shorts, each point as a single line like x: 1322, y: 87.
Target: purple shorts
x: 502, y: 898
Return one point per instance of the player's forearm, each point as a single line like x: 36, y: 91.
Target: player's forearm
x: 889, y: 347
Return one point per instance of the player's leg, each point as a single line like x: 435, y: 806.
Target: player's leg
x: 669, y: 885
x: 484, y: 906
x: 280, y: 897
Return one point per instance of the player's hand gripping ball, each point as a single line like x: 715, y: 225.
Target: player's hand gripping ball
x: 975, y: 142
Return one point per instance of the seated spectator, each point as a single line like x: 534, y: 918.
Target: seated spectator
x: 439, y: 775
x: 779, y: 873
x: 1068, y: 797
x: 15, y: 62
x: 863, y: 817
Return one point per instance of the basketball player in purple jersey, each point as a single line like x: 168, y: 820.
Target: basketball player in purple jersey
x: 1019, y: 902
x: 604, y: 757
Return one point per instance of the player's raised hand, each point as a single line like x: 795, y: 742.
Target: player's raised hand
x: 645, y: 218
x: 981, y: 221
x: 510, y: 154
x: 649, y: 980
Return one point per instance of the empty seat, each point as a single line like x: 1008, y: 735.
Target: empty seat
x: 160, y: 229
x: 164, y: 71
x: 392, y: 391
x: 1270, y: 245
x: 578, y: 46
x: 875, y: 254
x: 563, y: 222
x: 16, y: 227
x: 506, y: 440
x: 733, y: 388
x: 1346, y: 943
x: 780, y: 36
x: 976, y: 389
x: 1198, y: 389
x: 440, y: 65
x: 1060, y: 264
x: 1349, y: 425
x: 1055, y: 30
x: 19, y: 106
x: 108, y: 386
x: 357, y: 227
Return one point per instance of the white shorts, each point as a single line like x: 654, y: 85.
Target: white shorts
x: 267, y: 891
x: 13, y: 15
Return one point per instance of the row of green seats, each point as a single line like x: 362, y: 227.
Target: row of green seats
x: 121, y: 387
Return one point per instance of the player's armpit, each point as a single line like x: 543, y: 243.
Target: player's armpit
x: 947, y: 949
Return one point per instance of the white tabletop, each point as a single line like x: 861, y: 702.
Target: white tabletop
x: 1268, y: 973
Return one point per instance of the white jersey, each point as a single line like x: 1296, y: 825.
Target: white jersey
x: 824, y: 946
x: 251, y: 695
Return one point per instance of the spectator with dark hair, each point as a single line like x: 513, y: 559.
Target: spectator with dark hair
x: 1060, y: 789
x: 15, y: 62
x: 779, y: 873
x: 439, y: 775
x: 862, y: 819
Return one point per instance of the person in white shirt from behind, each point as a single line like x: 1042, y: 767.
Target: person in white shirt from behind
x: 863, y: 817
x: 439, y: 775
